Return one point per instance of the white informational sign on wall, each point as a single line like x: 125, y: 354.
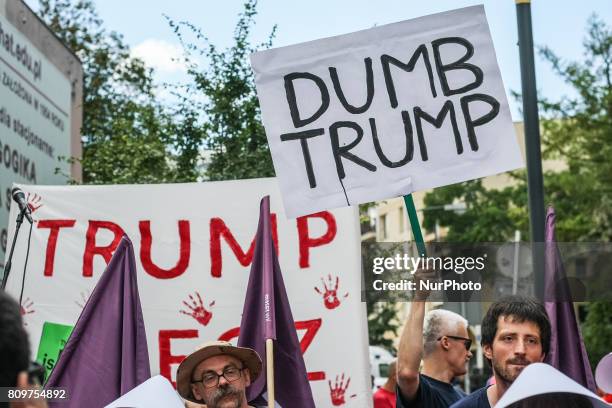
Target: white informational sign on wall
x: 36, y: 107
x: 383, y: 112
x: 193, y: 246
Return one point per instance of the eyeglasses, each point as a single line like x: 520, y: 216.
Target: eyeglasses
x: 466, y: 342
x: 211, y: 379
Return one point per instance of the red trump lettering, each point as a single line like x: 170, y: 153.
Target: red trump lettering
x: 145, y: 251
x: 91, y: 249
x: 307, y: 242
x: 218, y: 229
x: 54, y: 226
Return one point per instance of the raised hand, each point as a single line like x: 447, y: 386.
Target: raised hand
x: 423, y: 275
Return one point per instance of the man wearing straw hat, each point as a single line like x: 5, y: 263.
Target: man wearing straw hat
x: 217, y: 374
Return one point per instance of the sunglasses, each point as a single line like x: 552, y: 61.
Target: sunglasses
x: 466, y: 342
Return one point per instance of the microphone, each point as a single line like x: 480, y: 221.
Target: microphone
x: 20, y: 199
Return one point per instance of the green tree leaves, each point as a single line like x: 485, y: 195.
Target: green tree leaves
x: 578, y: 130
x: 223, y: 92
x: 127, y: 135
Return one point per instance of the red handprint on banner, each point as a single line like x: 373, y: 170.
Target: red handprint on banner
x: 338, y: 391
x: 330, y: 292
x: 27, y: 308
x: 197, y: 309
x: 34, y: 202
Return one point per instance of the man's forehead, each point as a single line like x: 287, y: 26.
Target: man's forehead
x: 511, y: 323
x: 217, y: 363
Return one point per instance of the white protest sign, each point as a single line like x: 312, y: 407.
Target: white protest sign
x: 193, y: 247
x: 539, y: 379
x: 384, y: 112
x: 156, y: 392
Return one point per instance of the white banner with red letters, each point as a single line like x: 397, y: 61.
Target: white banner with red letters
x: 193, y: 245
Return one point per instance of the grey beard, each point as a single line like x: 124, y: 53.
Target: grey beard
x: 223, y: 392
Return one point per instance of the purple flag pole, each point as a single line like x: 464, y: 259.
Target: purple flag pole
x: 567, y: 352
x: 268, y: 272
x: 106, y: 354
x: 268, y: 293
x: 266, y: 309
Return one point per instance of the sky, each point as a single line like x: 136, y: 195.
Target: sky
x: 558, y: 24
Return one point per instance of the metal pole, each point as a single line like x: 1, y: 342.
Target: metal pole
x: 517, y: 253
x: 535, y: 185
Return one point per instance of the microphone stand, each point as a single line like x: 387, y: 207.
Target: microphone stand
x: 7, y: 267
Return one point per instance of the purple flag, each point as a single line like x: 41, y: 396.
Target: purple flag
x: 567, y: 352
x: 266, y: 312
x: 106, y: 354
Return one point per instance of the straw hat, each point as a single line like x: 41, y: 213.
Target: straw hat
x: 248, y: 356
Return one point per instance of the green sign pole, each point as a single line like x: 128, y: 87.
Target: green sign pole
x: 414, y: 224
